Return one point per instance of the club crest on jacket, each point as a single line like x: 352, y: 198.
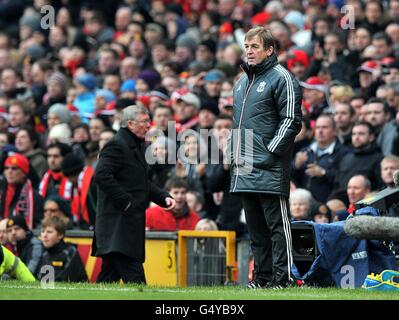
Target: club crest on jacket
x: 261, y: 86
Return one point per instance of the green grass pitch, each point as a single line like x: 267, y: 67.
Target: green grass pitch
x: 14, y: 290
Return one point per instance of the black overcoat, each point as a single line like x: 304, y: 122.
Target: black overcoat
x: 122, y: 177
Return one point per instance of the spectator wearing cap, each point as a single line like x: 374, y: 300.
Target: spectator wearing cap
x: 314, y: 97
x: 85, y: 85
x: 103, y: 97
x: 213, y: 81
x: 320, y: 213
x: 60, y: 133
x: 297, y: 63
x: 58, y: 113
x: 128, y: 89
x: 83, y: 190
x: 185, y: 50
x: 206, y: 52
x: 54, y: 205
x: 17, y: 195
x: 207, y: 114
x: 368, y: 86
x: 188, y: 106
x: 29, y: 248
x: 57, y: 87
x: 28, y: 25
x: 146, y: 81
x: 296, y: 21
x: 158, y: 96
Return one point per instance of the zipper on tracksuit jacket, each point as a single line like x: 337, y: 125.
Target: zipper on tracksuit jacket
x: 239, y: 128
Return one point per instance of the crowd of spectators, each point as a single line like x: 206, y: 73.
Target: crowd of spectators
x: 62, y: 90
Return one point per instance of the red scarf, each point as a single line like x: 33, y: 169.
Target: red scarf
x: 65, y: 190
x: 25, y: 204
x: 79, y: 201
x: 352, y: 208
x: 9, y: 196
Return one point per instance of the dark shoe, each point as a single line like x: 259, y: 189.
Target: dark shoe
x: 257, y: 284
x: 277, y: 285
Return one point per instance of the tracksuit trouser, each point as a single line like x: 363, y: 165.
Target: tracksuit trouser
x: 267, y: 219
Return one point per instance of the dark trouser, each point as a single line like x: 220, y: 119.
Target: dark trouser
x: 270, y: 234
x: 116, y: 266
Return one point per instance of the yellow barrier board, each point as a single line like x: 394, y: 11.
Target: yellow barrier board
x: 160, y: 265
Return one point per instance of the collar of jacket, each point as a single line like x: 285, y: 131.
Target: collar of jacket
x: 329, y: 150
x: 131, y: 138
x: 260, y: 68
x: 21, y: 244
x: 368, y: 149
x: 57, y: 248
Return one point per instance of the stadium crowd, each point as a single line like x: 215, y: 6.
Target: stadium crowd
x: 62, y: 90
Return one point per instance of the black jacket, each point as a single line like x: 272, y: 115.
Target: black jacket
x: 365, y: 161
x: 30, y: 251
x: 320, y: 187
x: 65, y: 259
x: 267, y: 106
x: 122, y: 177
x: 228, y: 218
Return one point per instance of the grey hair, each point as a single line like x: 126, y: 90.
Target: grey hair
x: 130, y: 113
x: 301, y: 195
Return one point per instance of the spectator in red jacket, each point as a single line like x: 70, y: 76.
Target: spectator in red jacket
x: 179, y: 218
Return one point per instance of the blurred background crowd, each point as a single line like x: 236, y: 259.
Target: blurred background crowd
x: 62, y: 90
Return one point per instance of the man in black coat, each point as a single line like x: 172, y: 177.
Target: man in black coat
x: 124, y: 193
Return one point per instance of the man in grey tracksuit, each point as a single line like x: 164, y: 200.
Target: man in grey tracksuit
x: 267, y: 117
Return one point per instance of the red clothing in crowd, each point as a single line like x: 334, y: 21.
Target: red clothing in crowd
x: 160, y: 219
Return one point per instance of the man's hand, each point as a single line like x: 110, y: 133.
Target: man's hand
x: 170, y: 202
x: 314, y: 170
x: 300, y: 159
